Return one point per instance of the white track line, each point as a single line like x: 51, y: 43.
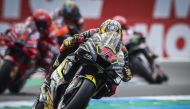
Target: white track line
x: 15, y: 103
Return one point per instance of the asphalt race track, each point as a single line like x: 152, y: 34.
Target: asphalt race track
x: 178, y: 86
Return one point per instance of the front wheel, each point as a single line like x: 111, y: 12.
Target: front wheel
x: 5, y: 70
x: 17, y: 86
x: 78, y: 97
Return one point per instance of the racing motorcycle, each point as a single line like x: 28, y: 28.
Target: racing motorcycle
x: 142, y: 60
x: 94, y: 66
x: 17, y: 62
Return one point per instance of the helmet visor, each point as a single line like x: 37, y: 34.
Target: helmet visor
x: 42, y: 25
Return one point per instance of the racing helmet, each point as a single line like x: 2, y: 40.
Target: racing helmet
x: 123, y: 22
x: 70, y: 11
x: 42, y: 20
x: 110, y: 25
x: 71, y: 14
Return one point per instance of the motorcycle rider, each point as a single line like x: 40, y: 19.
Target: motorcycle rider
x: 40, y: 28
x: 129, y: 35
x: 69, y: 16
x: 68, y: 46
x: 47, y: 45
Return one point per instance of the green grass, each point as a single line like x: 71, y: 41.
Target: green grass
x: 34, y: 82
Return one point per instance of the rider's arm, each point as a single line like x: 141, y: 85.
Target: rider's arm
x: 70, y: 44
x: 77, y: 39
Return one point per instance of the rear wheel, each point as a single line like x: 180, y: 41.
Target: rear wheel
x: 79, y: 97
x: 4, y: 74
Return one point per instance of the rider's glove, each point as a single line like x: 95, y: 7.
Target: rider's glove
x: 69, y: 42
x: 63, y: 46
x: 127, y: 75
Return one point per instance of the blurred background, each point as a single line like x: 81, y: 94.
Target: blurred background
x: 164, y: 23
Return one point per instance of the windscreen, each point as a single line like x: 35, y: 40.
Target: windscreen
x: 110, y: 46
x: 111, y: 40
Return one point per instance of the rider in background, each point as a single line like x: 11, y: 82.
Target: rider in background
x: 131, y: 37
x: 47, y: 31
x: 69, y: 18
x: 46, y: 36
x: 41, y: 29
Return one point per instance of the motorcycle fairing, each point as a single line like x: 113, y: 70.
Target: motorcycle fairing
x: 62, y: 69
x: 106, y: 45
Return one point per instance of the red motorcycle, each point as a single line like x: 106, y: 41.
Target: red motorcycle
x: 18, y: 63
